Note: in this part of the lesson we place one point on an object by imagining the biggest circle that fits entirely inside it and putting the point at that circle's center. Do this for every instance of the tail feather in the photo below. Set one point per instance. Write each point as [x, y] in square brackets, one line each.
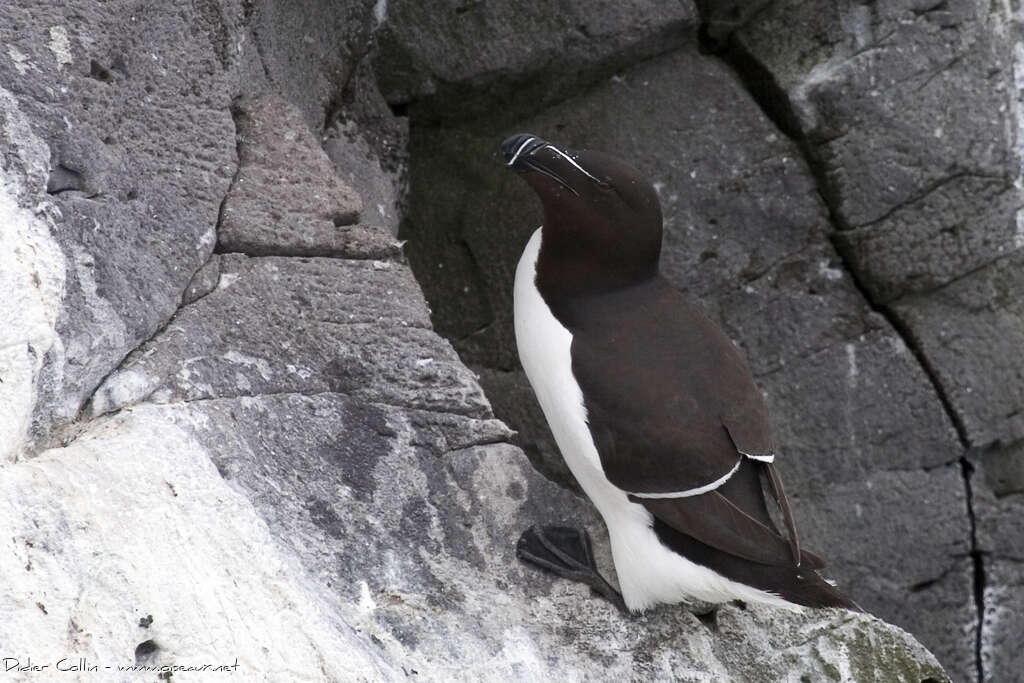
[800, 585]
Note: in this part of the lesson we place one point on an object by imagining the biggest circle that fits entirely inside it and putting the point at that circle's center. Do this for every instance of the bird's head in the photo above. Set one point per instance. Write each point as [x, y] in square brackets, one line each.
[600, 214]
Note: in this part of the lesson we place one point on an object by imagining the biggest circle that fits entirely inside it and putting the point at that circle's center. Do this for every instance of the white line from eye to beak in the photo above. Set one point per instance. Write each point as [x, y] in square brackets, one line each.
[525, 143]
[573, 162]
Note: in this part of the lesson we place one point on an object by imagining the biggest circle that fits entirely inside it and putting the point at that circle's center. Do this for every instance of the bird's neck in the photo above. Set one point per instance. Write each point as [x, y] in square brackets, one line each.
[569, 270]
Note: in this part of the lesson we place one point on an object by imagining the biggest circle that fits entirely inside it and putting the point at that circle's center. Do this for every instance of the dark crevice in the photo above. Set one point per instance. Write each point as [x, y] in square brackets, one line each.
[929, 583]
[65, 434]
[709, 619]
[237, 113]
[99, 72]
[464, 414]
[776, 105]
[360, 49]
[392, 253]
[761, 84]
[145, 650]
[978, 563]
[913, 344]
[923, 585]
[910, 296]
[65, 179]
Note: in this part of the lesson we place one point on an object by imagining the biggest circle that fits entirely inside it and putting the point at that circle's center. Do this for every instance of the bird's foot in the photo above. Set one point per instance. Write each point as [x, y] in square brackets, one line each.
[567, 552]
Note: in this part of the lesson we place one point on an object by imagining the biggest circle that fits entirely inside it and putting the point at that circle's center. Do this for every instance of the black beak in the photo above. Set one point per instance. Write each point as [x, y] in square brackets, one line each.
[519, 147]
[520, 153]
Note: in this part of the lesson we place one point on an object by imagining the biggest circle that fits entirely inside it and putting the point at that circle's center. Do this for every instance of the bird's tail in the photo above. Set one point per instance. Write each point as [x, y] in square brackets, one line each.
[806, 587]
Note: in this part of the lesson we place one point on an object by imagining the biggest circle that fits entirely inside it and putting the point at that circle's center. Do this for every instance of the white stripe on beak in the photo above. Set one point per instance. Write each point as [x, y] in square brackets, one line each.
[520, 149]
[573, 162]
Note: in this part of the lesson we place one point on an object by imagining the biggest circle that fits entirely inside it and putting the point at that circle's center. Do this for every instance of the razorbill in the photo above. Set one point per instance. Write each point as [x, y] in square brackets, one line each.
[652, 406]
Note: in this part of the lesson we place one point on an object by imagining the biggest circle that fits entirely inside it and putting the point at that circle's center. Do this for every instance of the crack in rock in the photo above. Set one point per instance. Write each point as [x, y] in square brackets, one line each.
[778, 108]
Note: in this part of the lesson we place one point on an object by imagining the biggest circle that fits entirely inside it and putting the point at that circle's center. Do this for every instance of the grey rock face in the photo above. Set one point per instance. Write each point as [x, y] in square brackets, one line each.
[882, 322]
[115, 105]
[280, 166]
[999, 510]
[375, 547]
[279, 325]
[310, 50]
[964, 329]
[357, 160]
[280, 465]
[909, 114]
[440, 55]
[864, 438]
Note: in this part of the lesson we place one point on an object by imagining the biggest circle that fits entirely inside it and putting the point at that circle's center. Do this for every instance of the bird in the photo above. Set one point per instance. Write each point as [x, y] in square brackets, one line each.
[653, 408]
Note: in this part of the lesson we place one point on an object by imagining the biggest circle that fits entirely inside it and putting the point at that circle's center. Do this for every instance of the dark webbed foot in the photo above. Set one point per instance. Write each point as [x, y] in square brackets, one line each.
[566, 552]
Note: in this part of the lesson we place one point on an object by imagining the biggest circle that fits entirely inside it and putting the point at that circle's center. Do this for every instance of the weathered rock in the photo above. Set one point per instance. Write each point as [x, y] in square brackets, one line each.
[936, 238]
[310, 50]
[910, 114]
[368, 144]
[967, 329]
[32, 274]
[284, 465]
[747, 235]
[1000, 530]
[357, 161]
[374, 549]
[133, 521]
[442, 56]
[1001, 656]
[1004, 469]
[203, 282]
[121, 135]
[280, 325]
[907, 109]
[284, 199]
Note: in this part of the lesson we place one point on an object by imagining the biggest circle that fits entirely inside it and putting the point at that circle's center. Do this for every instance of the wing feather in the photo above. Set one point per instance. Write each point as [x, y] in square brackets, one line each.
[671, 404]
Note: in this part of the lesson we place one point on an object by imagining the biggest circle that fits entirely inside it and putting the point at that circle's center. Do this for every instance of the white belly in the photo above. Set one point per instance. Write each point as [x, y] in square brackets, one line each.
[648, 572]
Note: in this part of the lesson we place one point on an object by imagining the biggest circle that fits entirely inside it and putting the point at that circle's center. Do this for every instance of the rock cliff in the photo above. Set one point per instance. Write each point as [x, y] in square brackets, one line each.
[234, 430]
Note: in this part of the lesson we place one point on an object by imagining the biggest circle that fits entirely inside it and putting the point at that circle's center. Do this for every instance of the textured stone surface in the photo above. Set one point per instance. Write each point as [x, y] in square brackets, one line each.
[284, 463]
[965, 223]
[966, 329]
[284, 198]
[1000, 516]
[908, 110]
[121, 529]
[1001, 655]
[368, 144]
[375, 548]
[437, 54]
[32, 273]
[277, 325]
[310, 50]
[910, 114]
[747, 235]
[123, 137]
[357, 161]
